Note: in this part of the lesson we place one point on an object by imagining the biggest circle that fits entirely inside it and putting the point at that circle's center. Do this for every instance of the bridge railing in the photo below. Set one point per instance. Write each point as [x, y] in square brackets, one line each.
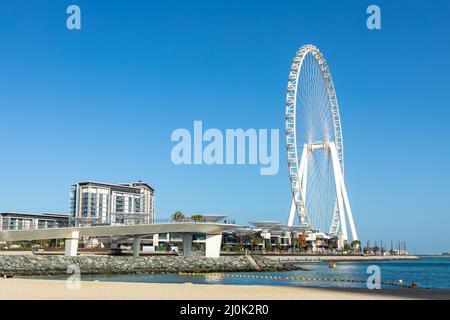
[136, 219]
[190, 220]
[85, 222]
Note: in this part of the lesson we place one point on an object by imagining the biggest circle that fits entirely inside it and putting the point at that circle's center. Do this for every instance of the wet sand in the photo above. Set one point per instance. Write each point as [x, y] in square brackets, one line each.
[14, 289]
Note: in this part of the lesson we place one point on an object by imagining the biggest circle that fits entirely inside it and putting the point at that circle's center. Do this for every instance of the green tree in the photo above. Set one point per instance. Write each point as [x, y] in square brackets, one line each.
[347, 247]
[278, 246]
[330, 246]
[178, 216]
[240, 243]
[197, 217]
[356, 245]
[294, 243]
[255, 240]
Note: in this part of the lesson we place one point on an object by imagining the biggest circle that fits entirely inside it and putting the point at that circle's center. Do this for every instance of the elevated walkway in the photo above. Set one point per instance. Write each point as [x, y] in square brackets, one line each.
[213, 232]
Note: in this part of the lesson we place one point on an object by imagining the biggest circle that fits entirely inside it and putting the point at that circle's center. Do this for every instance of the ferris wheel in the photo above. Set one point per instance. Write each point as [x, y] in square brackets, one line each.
[315, 147]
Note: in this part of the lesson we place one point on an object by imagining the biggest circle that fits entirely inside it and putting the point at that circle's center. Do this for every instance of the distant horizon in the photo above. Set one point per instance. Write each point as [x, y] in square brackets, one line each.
[103, 102]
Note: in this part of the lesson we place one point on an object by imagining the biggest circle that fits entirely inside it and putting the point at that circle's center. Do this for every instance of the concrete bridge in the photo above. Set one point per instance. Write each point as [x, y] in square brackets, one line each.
[212, 231]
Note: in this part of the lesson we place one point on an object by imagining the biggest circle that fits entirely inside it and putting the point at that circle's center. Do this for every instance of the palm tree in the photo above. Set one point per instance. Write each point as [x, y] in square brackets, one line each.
[240, 243]
[256, 240]
[178, 216]
[197, 217]
[252, 241]
[356, 245]
[278, 245]
[294, 243]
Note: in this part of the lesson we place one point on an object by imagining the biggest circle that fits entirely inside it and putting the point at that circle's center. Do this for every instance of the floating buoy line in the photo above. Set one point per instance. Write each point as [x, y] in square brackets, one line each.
[230, 275]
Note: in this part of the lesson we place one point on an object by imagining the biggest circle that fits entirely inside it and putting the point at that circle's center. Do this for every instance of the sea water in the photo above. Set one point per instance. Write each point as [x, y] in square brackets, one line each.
[428, 272]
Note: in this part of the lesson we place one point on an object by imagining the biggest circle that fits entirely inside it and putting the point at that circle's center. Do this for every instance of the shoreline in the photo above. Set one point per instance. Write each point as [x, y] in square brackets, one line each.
[337, 258]
[39, 289]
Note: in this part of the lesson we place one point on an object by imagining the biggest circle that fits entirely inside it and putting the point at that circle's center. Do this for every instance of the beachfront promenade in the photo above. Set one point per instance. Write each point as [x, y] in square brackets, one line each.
[71, 235]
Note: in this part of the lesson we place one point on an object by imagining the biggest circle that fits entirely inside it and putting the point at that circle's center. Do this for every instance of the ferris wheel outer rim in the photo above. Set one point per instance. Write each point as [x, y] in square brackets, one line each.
[290, 117]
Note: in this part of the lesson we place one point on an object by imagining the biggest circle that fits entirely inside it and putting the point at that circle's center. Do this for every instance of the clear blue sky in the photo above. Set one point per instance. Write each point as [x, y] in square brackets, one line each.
[101, 104]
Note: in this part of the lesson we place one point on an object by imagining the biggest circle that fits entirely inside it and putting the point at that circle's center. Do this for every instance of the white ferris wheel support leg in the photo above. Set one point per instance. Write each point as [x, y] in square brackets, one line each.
[337, 173]
[302, 179]
[302, 183]
[292, 213]
[348, 210]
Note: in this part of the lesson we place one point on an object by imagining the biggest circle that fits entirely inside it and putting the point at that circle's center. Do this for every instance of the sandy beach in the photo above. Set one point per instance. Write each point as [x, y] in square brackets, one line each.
[15, 289]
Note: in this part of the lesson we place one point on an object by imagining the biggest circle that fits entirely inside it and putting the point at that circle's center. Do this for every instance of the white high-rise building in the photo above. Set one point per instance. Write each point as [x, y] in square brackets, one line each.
[103, 203]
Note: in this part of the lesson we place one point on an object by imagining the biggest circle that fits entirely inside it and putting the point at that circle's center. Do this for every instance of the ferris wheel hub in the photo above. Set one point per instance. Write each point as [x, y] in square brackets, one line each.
[318, 146]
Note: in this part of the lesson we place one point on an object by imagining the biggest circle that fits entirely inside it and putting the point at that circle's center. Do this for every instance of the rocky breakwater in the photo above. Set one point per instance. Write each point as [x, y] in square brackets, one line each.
[54, 265]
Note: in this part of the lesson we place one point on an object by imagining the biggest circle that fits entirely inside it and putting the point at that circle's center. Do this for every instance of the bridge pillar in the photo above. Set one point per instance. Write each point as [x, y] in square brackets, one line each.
[71, 244]
[187, 244]
[213, 243]
[136, 246]
[156, 240]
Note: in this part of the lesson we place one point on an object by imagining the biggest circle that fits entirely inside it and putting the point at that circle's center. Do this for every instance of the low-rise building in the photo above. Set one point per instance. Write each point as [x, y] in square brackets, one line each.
[275, 236]
[22, 220]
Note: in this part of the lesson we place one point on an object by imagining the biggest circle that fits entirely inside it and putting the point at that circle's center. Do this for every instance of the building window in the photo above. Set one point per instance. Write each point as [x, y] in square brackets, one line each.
[73, 201]
[130, 204]
[137, 205]
[50, 224]
[100, 205]
[84, 204]
[5, 224]
[120, 205]
[14, 223]
[93, 204]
